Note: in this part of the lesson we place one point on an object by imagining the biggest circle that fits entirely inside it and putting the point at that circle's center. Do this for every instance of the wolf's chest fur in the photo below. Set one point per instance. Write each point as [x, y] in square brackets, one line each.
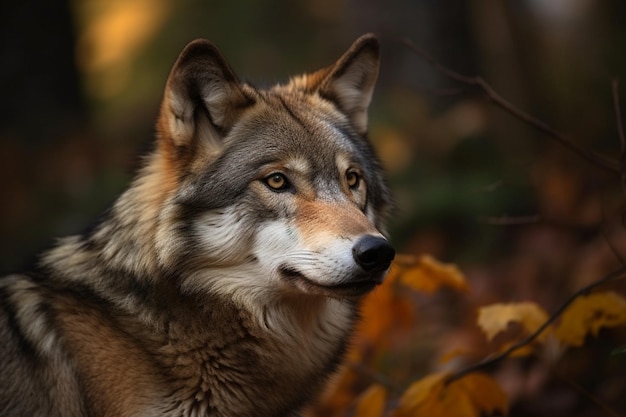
[222, 365]
[226, 280]
[249, 370]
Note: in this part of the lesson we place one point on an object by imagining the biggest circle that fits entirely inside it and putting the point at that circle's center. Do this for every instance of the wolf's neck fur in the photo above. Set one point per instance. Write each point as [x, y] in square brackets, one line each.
[222, 357]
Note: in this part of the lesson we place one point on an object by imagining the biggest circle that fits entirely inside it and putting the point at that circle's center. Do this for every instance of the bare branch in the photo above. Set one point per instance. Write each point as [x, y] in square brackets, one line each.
[595, 159]
[491, 361]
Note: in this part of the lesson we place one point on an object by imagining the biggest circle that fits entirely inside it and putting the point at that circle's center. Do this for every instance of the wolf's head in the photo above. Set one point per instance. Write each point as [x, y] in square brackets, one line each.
[270, 190]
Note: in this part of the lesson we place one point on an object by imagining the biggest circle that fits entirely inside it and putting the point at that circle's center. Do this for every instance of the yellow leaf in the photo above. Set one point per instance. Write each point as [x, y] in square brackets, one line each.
[384, 310]
[588, 314]
[520, 352]
[416, 396]
[495, 318]
[446, 403]
[471, 396]
[426, 274]
[484, 393]
[371, 403]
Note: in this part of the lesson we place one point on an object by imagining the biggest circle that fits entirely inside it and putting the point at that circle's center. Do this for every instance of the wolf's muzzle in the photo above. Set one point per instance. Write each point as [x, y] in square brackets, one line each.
[373, 253]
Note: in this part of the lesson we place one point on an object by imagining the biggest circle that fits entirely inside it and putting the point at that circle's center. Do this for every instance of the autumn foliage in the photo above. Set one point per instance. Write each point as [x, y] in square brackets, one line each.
[538, 330]
[463, 392]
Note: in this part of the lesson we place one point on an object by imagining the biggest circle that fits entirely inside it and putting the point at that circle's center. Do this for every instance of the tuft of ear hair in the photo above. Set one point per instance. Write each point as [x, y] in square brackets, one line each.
[349, 83]
[203, 96]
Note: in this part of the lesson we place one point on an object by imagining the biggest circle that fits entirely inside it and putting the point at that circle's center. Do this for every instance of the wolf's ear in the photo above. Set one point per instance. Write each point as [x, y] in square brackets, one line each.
[203, 97]
[350, 81]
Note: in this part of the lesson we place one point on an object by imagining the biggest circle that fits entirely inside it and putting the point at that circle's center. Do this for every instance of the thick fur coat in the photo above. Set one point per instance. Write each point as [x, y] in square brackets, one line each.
[226, 280]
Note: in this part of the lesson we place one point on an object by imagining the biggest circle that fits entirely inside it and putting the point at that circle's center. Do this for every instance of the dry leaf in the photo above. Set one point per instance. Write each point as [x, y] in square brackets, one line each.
[588, 314]
[427, 275]
[520, 352]
[484, 393]
[371, 403]
[471, 396]
[416, 396]
[495, 318]
[448, 402]
[382, 311]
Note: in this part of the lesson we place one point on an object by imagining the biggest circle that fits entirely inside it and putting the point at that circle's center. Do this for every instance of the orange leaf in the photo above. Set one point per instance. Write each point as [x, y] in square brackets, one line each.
[427, 275]
[495, 318]
[520, 352]
[416, 396]
[371, 403]
[588, 314]
[375, 313]
[471, 396]
[484, 393]
[382, 311]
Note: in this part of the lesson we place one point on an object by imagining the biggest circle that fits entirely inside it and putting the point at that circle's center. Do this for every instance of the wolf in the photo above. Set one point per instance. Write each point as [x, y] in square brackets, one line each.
[226, 280]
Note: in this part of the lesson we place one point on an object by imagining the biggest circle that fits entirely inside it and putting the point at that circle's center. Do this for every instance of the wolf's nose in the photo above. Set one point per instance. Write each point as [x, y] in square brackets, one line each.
[373, 253]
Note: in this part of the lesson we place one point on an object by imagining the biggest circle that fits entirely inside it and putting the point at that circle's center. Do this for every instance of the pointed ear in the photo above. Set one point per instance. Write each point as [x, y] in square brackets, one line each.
[350, 81]
[203, 97]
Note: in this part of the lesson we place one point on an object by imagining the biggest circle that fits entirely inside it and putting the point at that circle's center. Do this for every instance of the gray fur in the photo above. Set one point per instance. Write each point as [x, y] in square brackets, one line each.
[204, 292]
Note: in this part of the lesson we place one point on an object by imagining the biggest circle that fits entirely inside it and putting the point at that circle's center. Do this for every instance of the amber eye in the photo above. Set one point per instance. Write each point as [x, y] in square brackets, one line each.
[353, 179]
[277, 182]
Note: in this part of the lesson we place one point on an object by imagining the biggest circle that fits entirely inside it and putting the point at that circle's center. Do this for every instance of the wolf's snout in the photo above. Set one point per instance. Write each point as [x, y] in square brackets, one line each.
[373, 253]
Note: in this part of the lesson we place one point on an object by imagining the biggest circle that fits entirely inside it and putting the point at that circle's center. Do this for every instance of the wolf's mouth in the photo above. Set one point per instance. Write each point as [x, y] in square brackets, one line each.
[355, 288]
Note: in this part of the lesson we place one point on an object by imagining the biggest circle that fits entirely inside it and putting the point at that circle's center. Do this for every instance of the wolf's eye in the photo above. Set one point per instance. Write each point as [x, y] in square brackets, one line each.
[277, 182]
[353, 179]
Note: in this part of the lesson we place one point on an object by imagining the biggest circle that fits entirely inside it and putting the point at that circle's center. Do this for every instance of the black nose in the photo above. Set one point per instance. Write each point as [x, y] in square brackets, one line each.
[373, 253]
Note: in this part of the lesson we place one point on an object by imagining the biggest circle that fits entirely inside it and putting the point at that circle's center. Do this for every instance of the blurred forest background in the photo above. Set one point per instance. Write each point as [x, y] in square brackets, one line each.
[523, 217]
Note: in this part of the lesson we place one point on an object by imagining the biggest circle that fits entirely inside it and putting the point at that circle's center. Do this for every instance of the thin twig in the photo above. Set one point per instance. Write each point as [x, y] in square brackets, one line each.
[597, 160]
[491, 361]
